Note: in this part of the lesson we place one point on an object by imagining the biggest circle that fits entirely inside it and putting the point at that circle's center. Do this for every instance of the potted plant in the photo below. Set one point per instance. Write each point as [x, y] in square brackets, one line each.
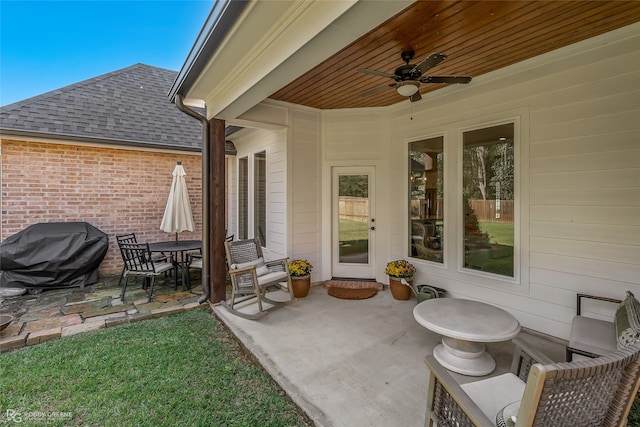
[300, 272]
[397, 271]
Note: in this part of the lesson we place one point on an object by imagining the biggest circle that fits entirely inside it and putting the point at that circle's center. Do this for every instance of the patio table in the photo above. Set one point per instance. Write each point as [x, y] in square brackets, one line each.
[465, 325]
[178, 249]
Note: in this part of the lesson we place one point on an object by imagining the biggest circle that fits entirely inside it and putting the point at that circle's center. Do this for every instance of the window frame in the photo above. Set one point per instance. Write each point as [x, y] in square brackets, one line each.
[250, 159]
[445, 203]
[517, 202]
[243, 190]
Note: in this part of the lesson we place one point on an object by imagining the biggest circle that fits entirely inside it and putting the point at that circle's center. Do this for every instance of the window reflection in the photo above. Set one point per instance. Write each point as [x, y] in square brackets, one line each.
[260, 196]
[426, 208]
[353, 214]
[243, 198]
[488, 199]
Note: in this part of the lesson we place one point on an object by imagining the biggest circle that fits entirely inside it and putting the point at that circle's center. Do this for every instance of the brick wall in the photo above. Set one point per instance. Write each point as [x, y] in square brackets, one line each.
[117, 191]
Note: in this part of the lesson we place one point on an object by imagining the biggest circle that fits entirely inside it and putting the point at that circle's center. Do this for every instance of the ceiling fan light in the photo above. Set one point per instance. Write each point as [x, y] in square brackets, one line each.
[407, 88]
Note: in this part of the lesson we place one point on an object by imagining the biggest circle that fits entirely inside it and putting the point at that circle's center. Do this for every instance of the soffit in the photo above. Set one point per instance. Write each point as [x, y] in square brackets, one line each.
[310, 54]
[477, 36]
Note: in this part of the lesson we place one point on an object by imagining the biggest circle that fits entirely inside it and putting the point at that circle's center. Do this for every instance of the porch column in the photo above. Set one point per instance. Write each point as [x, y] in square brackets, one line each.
[216, 210]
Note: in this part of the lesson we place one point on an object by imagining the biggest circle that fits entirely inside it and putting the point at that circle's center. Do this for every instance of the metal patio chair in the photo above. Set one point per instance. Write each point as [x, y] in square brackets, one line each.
[194, 261]
[138, 263]
[252, 277]
[591, 337]
[131, 238]
[595, 392]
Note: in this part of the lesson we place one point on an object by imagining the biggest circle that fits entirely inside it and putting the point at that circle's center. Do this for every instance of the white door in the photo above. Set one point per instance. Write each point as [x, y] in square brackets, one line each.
[353, 222]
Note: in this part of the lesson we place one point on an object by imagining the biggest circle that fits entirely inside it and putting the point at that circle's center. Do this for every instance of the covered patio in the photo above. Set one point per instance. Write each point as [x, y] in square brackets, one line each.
[305, 83]
[562, 95]
[356, 362]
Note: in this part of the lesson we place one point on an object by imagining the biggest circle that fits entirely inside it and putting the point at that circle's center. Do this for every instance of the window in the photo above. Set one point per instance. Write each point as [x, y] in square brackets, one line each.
[353, 214]
[488, 199]
[260, 196]
[243, 198]
[252, 197]
[426, 207]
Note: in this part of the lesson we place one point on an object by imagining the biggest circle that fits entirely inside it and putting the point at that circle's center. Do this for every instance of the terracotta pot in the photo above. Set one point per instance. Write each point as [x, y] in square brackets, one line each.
[300, 285]
[398, 290]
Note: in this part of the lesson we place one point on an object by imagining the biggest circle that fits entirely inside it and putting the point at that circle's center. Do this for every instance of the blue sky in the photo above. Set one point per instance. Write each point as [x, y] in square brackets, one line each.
[46, 45]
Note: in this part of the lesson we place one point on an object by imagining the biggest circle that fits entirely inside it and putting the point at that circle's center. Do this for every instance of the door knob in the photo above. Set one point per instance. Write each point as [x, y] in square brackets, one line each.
[372, 228]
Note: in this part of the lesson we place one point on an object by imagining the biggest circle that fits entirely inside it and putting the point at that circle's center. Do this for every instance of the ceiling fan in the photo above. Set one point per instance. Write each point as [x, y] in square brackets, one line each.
[408, 77]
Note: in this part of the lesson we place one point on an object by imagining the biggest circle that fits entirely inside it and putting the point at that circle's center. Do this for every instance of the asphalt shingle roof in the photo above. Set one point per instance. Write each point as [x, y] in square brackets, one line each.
[128, 106]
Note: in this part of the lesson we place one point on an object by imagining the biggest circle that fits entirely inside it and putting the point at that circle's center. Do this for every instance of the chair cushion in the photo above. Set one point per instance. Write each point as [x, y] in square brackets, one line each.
[261, 268]
[592, 335]
[493, 394]
[161, 267]
[628, 321]
[271, 278]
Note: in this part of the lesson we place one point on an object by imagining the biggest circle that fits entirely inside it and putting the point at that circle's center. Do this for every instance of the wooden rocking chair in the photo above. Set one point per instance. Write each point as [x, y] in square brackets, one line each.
[252, 277]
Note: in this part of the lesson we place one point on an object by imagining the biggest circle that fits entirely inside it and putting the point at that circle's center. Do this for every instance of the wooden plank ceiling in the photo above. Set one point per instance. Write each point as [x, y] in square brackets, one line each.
[477, 36]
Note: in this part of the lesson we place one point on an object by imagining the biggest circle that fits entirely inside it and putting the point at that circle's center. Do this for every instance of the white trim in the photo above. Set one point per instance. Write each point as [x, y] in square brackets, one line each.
[445, 186]
[517, 225]
[360, 270]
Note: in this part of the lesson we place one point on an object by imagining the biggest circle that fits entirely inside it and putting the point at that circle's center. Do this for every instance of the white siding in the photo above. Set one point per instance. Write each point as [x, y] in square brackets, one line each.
[247, 142]
[578, 109]
[358, 138]
[293, 175]
[577, 112]
[304, 189]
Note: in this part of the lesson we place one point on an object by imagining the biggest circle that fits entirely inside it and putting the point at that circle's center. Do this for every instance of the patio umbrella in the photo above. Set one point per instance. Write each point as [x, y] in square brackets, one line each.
[177, 215]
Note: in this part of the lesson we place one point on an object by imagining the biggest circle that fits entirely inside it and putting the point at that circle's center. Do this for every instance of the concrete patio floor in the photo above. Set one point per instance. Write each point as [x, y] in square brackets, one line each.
[355, 362]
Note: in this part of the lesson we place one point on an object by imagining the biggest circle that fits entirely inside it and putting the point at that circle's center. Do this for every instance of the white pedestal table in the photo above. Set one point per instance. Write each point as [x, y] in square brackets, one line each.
[465, 325]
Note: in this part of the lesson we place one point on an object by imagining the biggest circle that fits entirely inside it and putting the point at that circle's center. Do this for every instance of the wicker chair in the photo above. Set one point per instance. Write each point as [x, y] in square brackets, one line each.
[596, 392]
[138, 263]
[252, 276]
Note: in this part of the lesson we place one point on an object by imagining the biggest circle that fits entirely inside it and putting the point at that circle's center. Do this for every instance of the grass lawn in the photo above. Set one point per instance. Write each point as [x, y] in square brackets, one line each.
[354, 237]
[500, 233]
[353, 230]
[184, 369]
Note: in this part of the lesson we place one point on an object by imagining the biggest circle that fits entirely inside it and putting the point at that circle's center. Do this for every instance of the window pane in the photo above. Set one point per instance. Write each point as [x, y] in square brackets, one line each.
[260, 196]
[353, 214]
[426, 199]
[243, 198]
[488, 199]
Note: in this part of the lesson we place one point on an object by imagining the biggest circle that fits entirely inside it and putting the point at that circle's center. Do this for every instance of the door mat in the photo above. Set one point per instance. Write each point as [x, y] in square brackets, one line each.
[349, 289]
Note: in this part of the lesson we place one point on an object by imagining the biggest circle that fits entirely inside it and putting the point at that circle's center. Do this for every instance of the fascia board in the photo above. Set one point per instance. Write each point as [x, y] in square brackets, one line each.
[264, 37]
[351, 25]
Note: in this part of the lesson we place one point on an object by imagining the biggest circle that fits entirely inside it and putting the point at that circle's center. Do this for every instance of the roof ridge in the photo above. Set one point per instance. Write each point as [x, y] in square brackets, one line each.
[129, 106]
[80, 84]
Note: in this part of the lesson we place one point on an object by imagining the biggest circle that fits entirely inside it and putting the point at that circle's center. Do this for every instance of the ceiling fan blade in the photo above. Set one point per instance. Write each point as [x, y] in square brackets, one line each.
[376, 90]
[415, 97]
[430, 62]
[445, 79]
[377, 73]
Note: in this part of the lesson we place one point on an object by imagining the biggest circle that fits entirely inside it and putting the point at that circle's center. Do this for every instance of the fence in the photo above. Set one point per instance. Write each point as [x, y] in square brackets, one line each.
[357, 209]
[353, 208]
[486, 210]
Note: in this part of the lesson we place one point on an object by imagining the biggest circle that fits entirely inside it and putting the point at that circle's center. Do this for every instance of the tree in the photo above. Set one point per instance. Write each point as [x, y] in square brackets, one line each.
[354, 185]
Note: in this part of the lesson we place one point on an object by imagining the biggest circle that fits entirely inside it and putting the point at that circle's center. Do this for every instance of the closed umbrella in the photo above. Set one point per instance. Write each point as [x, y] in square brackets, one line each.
[177, 215]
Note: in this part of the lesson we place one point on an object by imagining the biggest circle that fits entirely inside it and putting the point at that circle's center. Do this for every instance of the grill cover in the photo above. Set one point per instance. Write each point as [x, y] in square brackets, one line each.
[52, 255]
